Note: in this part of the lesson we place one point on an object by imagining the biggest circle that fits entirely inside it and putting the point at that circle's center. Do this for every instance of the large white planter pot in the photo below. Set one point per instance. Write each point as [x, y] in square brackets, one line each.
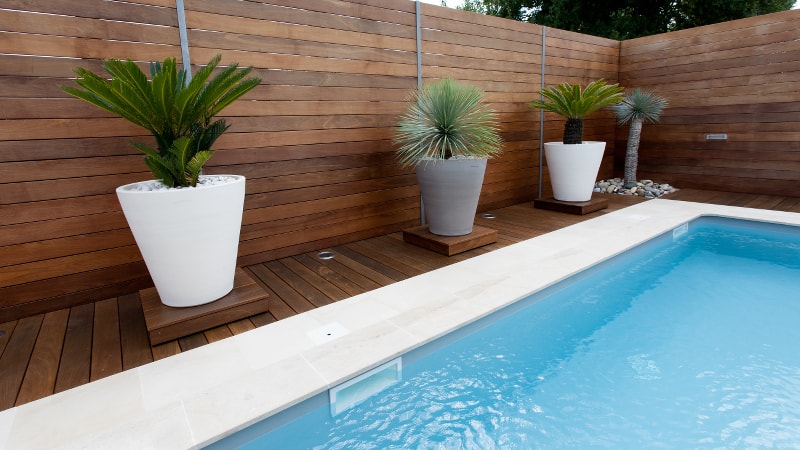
[573, 169]
[189, 237]
[450, 192]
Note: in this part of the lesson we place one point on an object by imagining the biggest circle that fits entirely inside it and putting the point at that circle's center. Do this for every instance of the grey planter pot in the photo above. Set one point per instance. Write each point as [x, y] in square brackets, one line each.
[450, 191]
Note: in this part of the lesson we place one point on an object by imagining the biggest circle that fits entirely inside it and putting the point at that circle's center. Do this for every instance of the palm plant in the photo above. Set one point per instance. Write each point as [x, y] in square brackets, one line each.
[446, 119]
[178, 114]
[575, 103]
[636, 108]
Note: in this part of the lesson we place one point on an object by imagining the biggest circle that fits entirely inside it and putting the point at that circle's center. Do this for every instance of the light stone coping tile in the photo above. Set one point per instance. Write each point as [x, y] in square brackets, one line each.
[187, 373]
[6, 422]
[166, 427]
[274, 343]
[251, 397]
[365, 349]
[211, 391]
[75, 414]
[356, 313]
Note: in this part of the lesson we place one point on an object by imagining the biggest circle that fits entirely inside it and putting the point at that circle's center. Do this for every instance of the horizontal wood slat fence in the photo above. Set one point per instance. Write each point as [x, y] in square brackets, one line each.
[313, 139]
[739, 78]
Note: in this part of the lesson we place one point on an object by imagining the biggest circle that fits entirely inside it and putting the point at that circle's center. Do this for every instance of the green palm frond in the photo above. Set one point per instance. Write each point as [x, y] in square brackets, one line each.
[574, 103]
[641, 105]
[177, 114]
[446, 119]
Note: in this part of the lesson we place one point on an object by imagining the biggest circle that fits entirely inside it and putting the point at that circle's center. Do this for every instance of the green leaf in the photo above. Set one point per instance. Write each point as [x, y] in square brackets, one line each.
[179, 115]
[573, 102]
[446, 119]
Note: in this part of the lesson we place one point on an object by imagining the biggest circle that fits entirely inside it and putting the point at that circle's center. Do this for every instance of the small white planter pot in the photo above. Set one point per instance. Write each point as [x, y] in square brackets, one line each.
[573, 169]
[450, 192]
[189, 237]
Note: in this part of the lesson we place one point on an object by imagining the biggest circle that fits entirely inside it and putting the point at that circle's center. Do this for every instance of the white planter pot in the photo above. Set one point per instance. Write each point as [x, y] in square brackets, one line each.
[189, 237]
[573, 169]
[450, 192]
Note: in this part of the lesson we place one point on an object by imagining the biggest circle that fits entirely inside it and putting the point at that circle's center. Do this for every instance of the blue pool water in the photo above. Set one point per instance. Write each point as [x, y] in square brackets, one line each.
[686, 342]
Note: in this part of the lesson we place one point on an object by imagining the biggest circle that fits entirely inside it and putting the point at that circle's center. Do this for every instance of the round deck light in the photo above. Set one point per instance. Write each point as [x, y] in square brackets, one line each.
[326, 255]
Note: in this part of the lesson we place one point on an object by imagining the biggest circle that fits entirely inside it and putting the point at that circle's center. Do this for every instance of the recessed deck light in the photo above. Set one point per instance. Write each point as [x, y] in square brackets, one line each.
[326, 255]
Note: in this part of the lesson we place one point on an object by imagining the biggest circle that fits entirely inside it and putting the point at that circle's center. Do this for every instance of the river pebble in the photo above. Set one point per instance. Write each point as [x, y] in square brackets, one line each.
[643, 188]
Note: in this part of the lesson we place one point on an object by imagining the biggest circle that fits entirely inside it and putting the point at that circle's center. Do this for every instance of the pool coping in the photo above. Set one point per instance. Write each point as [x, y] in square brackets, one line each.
[200, 396]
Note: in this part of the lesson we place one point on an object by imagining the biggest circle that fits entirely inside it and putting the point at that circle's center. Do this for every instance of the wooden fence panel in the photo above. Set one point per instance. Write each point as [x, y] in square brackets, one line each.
[314, 139]
[63, 239]
[503, 58]
[738, 78]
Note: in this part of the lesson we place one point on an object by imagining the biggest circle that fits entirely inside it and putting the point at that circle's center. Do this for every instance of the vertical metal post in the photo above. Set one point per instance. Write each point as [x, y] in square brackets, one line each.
[184, 37]
[419, 85]
[541, 116]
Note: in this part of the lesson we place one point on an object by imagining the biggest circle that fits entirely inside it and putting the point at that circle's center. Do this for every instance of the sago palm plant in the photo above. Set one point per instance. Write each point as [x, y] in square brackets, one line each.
[446, 119]
[574, 103]
[178, 114]
[637, 108]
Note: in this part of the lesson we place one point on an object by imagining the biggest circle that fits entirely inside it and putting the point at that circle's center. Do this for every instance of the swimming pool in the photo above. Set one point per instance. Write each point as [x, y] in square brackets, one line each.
[688, 341]
[201, 396]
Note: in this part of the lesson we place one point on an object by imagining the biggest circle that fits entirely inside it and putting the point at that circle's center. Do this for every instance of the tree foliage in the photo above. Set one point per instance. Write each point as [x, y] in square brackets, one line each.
[625, 19]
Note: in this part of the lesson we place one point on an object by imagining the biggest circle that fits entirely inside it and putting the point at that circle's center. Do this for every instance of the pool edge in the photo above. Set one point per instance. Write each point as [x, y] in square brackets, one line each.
[200, 396]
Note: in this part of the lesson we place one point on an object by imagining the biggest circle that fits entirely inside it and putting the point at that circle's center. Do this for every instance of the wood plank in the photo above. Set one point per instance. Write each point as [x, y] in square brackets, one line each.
[320, 283]
[298, 284]
[166, 350]
[15, 359]
[381, 272]
[313, 22]
[373, 252]
[133, 333]
[98, 9]
[6, 329]
[263, 319]
[40, 375]
[106, 346]
[217, 334]
[240, 326]
[62, 247]
[296, 302]
[192, 341]
[69, 265]
[24, 22]
[324, 269]
[75, 365]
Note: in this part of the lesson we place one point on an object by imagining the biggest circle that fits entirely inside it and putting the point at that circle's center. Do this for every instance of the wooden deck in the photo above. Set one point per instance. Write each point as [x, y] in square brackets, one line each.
[59, 350]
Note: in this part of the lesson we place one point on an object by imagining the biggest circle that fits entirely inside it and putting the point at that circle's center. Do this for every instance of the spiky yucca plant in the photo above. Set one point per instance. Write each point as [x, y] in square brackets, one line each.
[574, 103]
[446, 119]
[178, 114]
[637, 108]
